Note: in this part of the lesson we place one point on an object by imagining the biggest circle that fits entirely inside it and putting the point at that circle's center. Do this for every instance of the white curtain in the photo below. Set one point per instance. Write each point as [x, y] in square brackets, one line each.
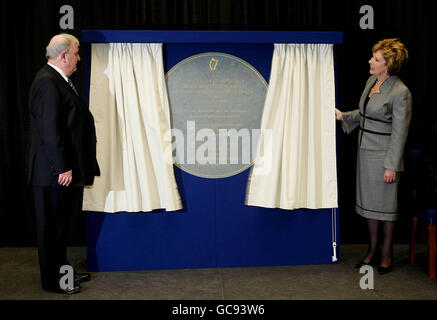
[295, 166]
[129, 102]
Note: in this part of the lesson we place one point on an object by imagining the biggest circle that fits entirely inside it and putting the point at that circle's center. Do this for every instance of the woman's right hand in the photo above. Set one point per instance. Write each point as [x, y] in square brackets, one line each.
[338, 114]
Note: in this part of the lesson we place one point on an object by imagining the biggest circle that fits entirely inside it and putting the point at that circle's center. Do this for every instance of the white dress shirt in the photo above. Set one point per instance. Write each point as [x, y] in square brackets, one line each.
[59, 70]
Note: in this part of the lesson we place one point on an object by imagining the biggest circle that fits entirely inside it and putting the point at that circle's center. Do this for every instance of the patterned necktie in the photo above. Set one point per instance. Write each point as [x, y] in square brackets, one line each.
[72, 86]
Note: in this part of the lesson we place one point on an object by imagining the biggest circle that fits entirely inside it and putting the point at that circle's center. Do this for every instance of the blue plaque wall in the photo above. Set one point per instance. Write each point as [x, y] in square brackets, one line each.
[215, 228]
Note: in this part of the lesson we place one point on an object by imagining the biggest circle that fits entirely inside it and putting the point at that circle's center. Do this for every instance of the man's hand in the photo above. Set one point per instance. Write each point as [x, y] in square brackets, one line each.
[65, 178]
[389, 176]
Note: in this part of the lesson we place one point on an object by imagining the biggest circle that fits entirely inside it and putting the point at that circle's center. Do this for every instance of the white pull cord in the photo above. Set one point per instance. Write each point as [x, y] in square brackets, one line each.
[334, 234]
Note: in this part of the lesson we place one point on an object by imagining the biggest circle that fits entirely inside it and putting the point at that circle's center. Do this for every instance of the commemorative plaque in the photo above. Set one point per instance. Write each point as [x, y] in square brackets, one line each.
[216, 102]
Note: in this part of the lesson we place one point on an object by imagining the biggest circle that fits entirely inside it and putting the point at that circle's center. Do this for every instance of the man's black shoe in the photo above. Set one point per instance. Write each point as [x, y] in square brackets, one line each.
[75, 289]
[82, 277]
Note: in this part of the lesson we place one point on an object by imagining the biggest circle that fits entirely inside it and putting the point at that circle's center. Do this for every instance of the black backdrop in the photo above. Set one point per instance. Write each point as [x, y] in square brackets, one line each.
[26, 28]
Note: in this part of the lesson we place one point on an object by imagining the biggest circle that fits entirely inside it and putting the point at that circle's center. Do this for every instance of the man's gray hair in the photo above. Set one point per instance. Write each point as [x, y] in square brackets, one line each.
[55, 48]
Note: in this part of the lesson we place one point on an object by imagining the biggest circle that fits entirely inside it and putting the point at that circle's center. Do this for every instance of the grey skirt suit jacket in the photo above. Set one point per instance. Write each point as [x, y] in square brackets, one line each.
[383, 121]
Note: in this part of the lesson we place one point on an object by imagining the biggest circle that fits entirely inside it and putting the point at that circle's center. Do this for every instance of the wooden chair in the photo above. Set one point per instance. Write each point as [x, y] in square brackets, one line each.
[423, 216]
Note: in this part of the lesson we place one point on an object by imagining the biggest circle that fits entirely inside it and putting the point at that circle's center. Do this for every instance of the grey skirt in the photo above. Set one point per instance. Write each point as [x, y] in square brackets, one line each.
[375, 199]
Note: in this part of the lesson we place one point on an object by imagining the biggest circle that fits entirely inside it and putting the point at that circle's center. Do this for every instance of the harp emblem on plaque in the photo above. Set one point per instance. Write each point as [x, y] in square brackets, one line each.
[213, 64]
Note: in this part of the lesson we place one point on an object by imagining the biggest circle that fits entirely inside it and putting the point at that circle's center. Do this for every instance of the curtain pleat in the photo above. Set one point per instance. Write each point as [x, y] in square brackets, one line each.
[295, 166]
[129, 102]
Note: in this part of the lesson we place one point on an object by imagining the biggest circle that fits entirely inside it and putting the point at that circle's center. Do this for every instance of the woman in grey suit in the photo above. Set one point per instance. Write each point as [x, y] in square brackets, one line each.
[383, 119]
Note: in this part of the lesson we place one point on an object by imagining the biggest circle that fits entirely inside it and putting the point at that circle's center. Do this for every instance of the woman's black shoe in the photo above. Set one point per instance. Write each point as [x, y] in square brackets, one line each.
[384, 270]
[362, 263]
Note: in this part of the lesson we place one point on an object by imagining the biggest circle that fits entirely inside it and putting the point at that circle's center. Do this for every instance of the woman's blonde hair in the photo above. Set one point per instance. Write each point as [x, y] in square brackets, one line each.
[395, 53]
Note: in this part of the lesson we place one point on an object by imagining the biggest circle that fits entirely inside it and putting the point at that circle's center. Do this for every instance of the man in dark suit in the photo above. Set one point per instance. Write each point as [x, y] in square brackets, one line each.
[62, 156]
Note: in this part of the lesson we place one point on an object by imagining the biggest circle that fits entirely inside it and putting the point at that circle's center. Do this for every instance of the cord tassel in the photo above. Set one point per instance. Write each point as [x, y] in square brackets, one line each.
[334, 235]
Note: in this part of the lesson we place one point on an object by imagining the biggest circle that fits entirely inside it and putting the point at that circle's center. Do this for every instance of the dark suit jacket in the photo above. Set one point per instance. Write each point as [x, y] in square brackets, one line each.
[63, 132]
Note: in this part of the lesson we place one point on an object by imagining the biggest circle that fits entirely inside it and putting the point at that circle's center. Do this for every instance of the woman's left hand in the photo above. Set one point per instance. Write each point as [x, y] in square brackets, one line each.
[389, 176]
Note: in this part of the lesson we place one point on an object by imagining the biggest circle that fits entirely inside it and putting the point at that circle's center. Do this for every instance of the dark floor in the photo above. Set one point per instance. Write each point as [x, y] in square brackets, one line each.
[19, 279]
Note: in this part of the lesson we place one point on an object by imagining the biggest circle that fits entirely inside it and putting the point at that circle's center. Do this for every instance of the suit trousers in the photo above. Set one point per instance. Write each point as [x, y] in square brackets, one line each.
[54, 208]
